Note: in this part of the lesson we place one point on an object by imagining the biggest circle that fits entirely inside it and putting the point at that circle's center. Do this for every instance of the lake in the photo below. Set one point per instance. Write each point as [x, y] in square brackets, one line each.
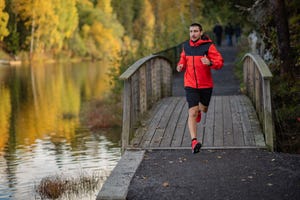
[44, 130]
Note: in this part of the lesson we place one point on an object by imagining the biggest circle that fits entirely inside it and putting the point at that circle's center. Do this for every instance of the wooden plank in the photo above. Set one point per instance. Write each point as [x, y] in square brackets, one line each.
[171, 127]
[218, 122]
[181, 125]
[154, 124]
[135, 108]
[255, 125]
[156, 81]
[135, 67]
[166, 77]
[238, 135]
[263, 68]
[248, 134]
[126, 114]
[227, 118]
[168, 126]
[160, 130]
[140, 133]
[209, 148]
[150, 101]
[143, 90]
[208, 138]
[258, 93]
[268, 120]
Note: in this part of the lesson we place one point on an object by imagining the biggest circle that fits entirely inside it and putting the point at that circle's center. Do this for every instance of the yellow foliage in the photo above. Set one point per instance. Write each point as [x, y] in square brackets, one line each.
[67, 14]
[144, 25]
[3, 21]
[109, 45]
[49, 21]
[129, 45]
[105, 6]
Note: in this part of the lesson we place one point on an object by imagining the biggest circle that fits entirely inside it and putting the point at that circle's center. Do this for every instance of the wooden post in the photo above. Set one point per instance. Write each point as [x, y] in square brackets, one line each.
[143, 90]
[257, 95]
[126, 113]
[268, 121]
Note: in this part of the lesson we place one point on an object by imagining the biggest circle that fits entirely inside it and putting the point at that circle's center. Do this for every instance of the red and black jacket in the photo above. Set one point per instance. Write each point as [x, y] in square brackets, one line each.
[197, 74]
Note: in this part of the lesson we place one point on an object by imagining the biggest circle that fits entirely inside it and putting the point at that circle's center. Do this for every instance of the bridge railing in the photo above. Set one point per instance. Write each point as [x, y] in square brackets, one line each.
[145, 82]
[172, 53]
[257, 78]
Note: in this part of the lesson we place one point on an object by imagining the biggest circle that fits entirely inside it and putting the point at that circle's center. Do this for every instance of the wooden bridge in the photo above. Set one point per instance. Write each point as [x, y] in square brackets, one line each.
[155, 111]
[155, 116]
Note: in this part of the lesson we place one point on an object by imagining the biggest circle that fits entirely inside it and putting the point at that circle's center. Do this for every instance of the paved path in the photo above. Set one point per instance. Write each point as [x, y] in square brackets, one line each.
[247, 174]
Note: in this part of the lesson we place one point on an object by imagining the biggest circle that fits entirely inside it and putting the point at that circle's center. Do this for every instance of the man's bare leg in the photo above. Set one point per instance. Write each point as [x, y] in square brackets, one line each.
[193, 113]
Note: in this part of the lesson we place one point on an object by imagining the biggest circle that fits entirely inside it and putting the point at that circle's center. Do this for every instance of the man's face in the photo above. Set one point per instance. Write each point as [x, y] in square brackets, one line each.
[195, 33]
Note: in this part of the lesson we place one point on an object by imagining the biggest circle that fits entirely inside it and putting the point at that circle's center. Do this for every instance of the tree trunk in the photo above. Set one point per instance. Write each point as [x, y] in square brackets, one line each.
[283, 37]
[192, 10]
[32, 38]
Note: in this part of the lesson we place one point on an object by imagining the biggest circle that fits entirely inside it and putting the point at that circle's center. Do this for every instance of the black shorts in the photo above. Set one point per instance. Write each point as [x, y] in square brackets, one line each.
[195, 96]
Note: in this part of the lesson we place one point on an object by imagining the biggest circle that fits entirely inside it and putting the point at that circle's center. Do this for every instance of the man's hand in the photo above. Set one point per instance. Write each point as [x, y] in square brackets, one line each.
[179, 67]
[206, 61]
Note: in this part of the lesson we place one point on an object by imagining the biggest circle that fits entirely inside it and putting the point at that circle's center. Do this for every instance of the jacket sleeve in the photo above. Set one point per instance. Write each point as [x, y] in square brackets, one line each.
[215, 57]
[182, 60]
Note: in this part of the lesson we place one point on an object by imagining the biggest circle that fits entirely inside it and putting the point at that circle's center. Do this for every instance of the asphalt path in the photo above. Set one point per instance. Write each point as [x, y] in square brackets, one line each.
[245, 174]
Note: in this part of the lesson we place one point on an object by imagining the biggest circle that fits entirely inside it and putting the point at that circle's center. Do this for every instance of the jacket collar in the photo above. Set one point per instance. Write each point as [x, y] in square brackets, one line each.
[202, 40]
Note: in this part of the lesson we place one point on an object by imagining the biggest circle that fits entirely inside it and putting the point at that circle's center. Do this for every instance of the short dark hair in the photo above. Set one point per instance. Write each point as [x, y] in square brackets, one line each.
[197, 24]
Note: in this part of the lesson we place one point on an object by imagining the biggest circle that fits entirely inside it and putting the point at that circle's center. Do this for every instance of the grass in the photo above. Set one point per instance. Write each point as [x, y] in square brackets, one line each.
[101, 114]
[57, 186]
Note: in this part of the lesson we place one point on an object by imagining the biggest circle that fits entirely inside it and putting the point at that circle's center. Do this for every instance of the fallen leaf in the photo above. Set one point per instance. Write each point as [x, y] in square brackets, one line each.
[166, 184]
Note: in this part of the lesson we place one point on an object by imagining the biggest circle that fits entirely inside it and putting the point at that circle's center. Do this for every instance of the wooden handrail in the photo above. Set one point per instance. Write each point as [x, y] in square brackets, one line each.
[145, 82]
[257, 78]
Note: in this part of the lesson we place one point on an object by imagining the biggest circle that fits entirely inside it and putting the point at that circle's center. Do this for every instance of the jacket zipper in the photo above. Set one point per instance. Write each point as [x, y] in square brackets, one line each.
[195, 72]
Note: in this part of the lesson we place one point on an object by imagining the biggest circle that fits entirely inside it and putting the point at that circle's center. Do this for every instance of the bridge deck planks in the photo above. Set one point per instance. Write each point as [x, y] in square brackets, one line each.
[230, 122]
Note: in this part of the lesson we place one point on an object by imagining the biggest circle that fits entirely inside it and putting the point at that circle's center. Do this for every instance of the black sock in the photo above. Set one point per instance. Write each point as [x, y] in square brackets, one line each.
[194, 139]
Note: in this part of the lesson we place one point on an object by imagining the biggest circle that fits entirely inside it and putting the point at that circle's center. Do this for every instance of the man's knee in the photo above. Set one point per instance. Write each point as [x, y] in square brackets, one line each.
[203, 108]
[193, 112]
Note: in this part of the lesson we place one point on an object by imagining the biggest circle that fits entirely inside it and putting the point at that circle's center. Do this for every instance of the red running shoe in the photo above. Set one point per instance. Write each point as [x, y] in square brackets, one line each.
[196, 146]
[198, 119]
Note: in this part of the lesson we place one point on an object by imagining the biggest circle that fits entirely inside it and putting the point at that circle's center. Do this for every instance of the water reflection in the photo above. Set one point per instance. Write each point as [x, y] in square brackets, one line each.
[41, 133]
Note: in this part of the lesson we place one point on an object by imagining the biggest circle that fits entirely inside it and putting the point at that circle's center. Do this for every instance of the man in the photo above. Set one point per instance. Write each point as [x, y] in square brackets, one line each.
[198, 57]
[229, 32]
[218, 31]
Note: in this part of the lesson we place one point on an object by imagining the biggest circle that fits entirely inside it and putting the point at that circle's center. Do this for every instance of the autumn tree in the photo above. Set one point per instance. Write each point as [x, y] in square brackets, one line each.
[143, 24]
[100, 30]
[3, 21]
[66, 12]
